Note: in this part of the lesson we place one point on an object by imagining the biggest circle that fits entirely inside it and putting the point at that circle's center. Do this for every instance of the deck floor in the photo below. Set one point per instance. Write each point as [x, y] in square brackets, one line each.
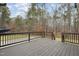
[41, 47]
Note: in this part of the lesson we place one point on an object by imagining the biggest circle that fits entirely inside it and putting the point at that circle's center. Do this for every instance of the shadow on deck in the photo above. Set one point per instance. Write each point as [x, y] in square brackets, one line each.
[41, 47]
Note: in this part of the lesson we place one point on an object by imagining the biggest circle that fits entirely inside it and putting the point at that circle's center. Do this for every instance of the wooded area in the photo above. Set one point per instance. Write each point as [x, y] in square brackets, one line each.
[63, 17]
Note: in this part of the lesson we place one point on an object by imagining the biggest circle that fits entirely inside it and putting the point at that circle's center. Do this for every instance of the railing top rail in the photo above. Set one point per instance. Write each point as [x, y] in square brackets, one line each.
[71, 33]
[9, 33]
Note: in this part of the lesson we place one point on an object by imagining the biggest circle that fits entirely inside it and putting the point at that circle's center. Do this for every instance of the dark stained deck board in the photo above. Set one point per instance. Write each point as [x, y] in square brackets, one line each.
[41, 47]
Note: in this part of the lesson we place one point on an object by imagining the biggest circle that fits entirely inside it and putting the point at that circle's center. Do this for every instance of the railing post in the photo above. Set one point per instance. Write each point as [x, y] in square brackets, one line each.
[43, 34]
[29, 36]
[62, 37]
[52, 36]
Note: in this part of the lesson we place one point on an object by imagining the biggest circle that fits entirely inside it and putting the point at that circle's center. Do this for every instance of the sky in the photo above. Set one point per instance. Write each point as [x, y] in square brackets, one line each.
[20, 9]
[17, 9]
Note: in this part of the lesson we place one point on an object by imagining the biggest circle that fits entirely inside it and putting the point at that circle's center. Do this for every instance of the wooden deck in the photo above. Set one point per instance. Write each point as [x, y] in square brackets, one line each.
[41, 47]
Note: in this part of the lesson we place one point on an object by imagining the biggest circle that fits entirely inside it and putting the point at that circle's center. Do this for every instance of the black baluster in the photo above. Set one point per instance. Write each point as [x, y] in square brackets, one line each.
[62, 37]
[5, 39]
[74, 38]
[70, 38]
[78, 38]
[0, 40]
[29, 37]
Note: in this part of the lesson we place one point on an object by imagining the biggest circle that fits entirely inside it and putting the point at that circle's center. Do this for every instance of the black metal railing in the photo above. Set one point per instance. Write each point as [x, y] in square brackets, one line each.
[13, 38]
[70, 37]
